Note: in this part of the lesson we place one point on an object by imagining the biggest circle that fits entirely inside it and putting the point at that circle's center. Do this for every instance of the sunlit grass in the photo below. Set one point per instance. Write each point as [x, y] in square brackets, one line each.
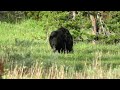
[93, 71]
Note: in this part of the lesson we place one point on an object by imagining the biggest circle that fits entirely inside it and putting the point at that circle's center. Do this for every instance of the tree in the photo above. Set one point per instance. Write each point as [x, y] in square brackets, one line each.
[72, 14]
[94, 21]
[97, 19]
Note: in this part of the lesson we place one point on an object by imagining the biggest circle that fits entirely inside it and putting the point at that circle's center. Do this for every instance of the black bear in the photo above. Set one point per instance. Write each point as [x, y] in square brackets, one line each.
[61, 40]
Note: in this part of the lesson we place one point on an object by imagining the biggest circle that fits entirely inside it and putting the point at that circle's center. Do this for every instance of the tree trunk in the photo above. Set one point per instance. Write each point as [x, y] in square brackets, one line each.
[72, 14]
[104, 28]
[94, 25]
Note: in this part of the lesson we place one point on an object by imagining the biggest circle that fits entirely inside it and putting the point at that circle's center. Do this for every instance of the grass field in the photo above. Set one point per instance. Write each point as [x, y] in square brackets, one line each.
[27, 54]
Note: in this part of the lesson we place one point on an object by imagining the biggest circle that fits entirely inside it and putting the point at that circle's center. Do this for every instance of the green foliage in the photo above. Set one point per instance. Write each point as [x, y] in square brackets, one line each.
[12, 16]
[80, 28]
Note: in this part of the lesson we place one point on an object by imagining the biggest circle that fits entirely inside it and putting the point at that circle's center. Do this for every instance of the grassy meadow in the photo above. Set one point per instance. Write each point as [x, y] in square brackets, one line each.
[27, 54]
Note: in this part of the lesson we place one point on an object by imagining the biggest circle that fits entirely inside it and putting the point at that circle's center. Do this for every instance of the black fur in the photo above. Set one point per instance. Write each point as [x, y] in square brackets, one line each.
[61, 40]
